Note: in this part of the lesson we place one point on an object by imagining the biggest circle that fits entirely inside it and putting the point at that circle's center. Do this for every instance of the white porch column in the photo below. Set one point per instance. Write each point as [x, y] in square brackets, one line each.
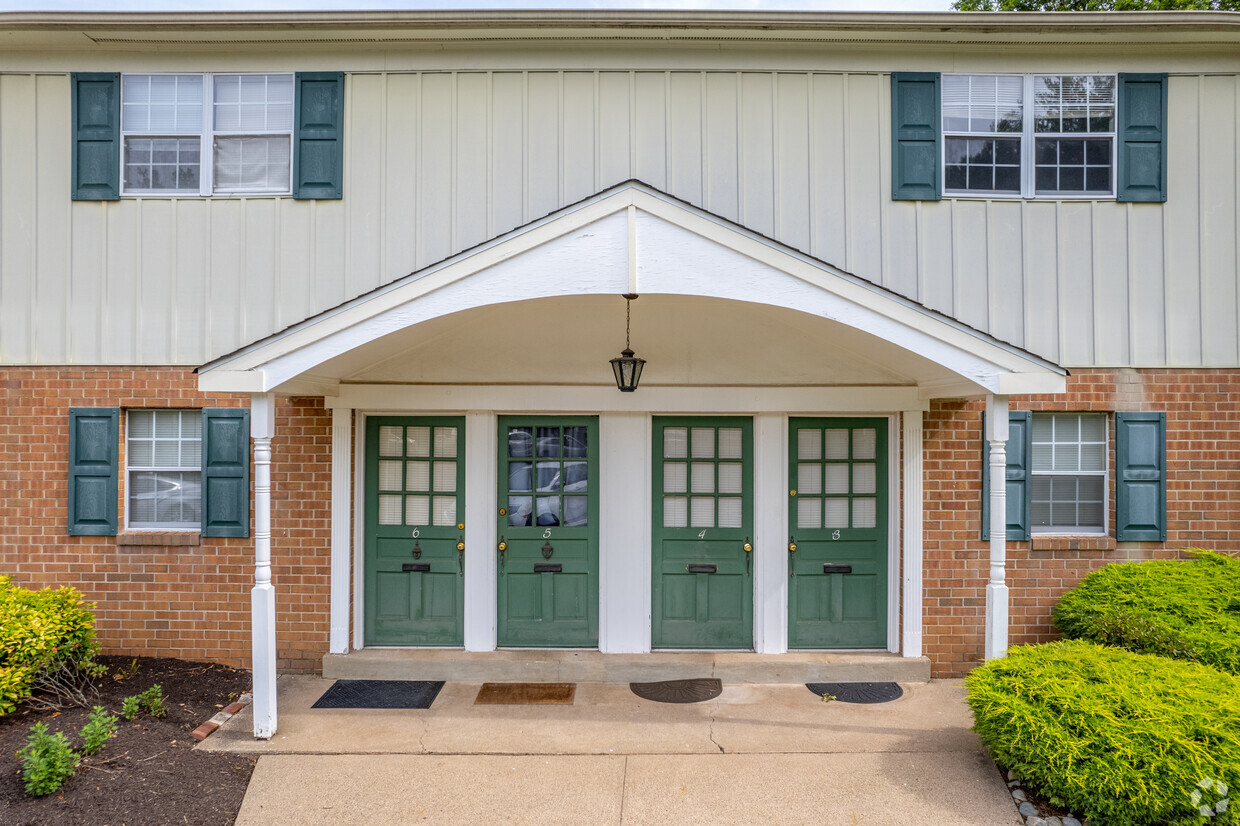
[913, 532]
[996, 589]
[770, 533]
[624, 533]
[263, 595]
[481, 563]
[342, 506]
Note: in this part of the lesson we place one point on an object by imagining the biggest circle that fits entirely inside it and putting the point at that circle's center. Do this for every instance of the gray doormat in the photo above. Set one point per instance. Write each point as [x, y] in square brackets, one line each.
[679, 691]
[858, 692]
[380, 694]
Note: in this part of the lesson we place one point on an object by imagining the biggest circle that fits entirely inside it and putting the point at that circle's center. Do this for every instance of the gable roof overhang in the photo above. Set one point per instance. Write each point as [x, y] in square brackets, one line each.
[632, 238]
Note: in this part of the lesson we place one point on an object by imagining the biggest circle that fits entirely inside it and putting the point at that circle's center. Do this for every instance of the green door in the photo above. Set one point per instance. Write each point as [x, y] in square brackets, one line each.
[548, 527]
[837, 594]
[414, 532]
[703, 533]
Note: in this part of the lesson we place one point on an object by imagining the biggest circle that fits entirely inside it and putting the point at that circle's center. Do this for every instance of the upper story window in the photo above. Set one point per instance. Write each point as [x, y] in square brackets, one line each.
[204, 134]
[1029, 135]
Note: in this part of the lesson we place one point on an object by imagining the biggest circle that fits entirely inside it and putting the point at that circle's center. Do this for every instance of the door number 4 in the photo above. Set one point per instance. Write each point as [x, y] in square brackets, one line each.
[702, 535]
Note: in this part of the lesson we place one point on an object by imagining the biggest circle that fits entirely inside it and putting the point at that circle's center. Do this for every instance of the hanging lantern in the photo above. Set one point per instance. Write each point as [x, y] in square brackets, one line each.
[626, 366]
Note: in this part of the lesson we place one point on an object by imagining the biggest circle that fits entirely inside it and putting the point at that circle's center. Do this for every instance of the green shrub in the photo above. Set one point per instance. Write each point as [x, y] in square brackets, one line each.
[47, 761]
[47, 645]
[1121, 738]
[152, 700]
[99, 730]
[1187, 610]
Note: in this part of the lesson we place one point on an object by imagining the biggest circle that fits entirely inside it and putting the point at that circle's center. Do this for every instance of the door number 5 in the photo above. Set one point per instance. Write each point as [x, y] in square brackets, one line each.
[547, 533]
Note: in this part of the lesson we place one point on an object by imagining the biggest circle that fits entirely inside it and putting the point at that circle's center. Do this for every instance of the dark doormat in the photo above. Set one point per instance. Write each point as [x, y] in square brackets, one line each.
[679, 691]
[380, 694]
[858, 692]
[526, 694]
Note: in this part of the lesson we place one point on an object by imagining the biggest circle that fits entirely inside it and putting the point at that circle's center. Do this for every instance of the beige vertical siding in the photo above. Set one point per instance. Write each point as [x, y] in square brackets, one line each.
[437, 162]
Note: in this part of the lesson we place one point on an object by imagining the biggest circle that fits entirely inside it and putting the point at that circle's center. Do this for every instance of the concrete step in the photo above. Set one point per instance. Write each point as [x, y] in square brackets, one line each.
[582, 666]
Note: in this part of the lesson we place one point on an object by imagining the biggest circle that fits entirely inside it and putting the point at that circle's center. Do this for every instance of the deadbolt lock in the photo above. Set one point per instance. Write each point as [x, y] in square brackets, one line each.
[503, 511]
[792, 492]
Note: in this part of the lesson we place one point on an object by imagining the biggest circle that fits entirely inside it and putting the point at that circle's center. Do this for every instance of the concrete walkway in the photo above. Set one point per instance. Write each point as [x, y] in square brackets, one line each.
[756, 754]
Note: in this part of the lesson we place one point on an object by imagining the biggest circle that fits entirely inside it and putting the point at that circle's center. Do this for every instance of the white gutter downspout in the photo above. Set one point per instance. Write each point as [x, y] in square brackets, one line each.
[996, 588]
[263, 595]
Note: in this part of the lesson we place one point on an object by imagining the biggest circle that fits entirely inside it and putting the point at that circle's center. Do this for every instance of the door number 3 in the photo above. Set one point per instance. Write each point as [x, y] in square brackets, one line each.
[835, 534]
[547, 533]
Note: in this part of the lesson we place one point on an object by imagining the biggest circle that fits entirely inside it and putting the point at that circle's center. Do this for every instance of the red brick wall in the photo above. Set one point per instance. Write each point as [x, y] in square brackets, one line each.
[192, 600]
[165, 594]
[1203, 503]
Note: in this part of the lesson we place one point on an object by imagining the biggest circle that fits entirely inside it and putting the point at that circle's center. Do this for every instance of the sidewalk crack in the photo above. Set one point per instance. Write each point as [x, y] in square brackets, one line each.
[712, 734]
[624, 786]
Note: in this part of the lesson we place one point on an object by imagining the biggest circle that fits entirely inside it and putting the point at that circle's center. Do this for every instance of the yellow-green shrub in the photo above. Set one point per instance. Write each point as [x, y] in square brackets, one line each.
[1121, 738]
[1187, 610]
[47, 641]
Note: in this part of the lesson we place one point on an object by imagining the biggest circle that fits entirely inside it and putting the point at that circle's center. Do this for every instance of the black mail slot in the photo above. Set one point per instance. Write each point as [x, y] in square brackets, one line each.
[703, 569]
[828, 568]
[548, 569]
[416, 567]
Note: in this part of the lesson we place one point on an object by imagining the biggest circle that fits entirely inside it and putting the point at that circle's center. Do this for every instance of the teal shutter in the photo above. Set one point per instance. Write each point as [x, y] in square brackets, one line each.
[1141, 168]
[96, 104]
[915, 136]
[318, 145]
[225, 472]
[1019, 493]
[1141, 475]
[94, 438]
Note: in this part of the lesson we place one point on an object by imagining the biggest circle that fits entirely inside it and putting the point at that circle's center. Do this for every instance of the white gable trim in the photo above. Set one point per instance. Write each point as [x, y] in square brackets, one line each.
[633, 238]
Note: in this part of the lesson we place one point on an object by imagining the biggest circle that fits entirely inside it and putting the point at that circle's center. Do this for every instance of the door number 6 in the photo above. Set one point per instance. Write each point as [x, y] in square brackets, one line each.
[416, 533]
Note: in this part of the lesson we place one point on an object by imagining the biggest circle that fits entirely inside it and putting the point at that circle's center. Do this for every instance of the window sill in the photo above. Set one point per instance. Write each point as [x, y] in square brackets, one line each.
[1072, 543]
[161, 539]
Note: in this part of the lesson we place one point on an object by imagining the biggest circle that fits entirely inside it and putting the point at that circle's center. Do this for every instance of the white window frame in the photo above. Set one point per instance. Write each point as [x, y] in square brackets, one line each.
[129, 468]
[1028, 162]
[1105, 473]
[206, 146]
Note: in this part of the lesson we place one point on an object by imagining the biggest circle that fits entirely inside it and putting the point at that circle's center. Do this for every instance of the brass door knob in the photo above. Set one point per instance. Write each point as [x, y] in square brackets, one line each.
[503, 546]
[460, 546]
[748, 548]
[792, 547]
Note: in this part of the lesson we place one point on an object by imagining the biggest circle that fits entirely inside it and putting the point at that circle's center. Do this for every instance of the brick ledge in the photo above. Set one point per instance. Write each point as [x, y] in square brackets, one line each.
[1072, 543]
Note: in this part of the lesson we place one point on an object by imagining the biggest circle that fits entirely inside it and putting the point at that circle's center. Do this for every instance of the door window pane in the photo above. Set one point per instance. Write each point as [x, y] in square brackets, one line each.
[675, 443]
[548, 441]
[703, 443]
[837, 479]
[675, 512]
[548, 511]
[809, 444]
[864, 512]
[730, 512]
[445, 442]
[702, 512]
[418, 476]
[445, 477]
[418, 442]
[837, 513]
[675, 477]
[576, 442]
[389, 475]
[703, 477]
[520, 476]
[521, 442]
[809, 479]
[390, 441]
[389, 510]
[520, 511]
[576, 477]
[809, 513]
[445, 510]
[548, 476]
[576, 511]
[730, 442]
[417, 510]
[730, 478]
[837, 444]
[863, 478]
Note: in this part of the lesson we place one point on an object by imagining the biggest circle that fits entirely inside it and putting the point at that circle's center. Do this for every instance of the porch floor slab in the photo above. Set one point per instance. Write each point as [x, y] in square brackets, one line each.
[757, 753]
[581, 666]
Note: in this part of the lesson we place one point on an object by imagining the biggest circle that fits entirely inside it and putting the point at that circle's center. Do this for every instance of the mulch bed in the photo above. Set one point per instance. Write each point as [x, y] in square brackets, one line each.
[148, 773]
